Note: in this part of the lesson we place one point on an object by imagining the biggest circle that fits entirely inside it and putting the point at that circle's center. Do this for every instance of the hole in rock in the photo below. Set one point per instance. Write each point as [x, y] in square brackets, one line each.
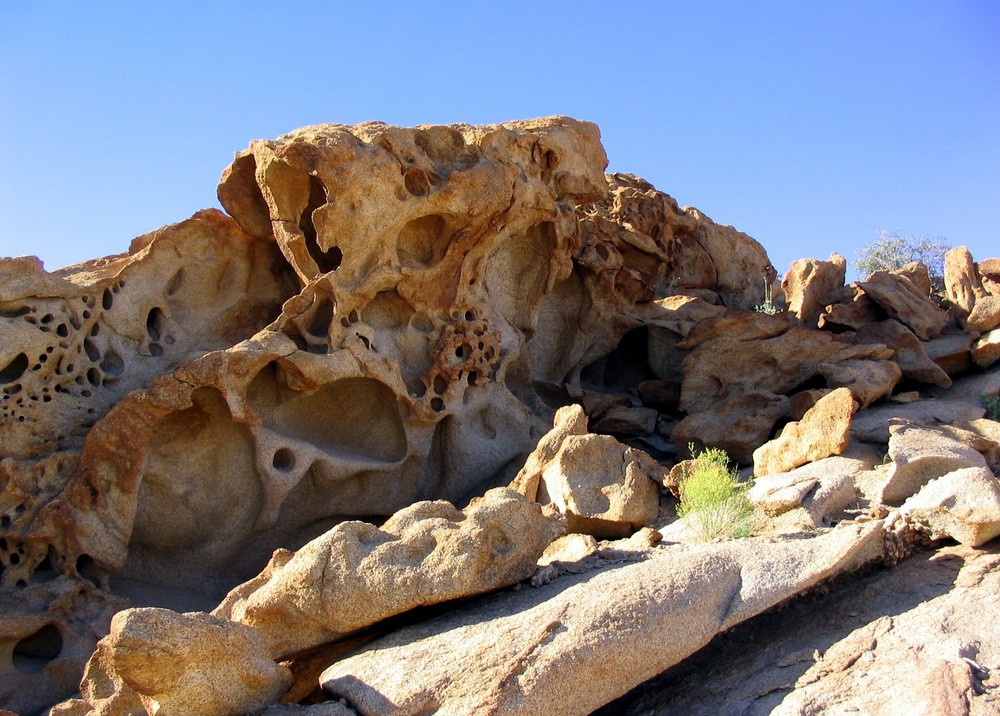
[155, 350]
[422, 242]
[319, 324]
[440, 384]
[32, 653]
[14, 312]
[517, 272]
[437, 404]
[48, 318]
[326, 261]
[107, 299]
[352, 416]
[154, 323]
[92, 351]
[284, 460]
[387, 310]
[14, 369]
[624, 367]
[417, 182]
[112, 364]
[174, 285]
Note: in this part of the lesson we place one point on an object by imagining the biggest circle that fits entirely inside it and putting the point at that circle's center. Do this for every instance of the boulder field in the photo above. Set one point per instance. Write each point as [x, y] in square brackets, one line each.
[404, 430]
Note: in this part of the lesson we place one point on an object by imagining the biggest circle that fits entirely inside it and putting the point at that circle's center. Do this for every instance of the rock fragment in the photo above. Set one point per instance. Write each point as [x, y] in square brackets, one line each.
[963, 504]
[904, 302]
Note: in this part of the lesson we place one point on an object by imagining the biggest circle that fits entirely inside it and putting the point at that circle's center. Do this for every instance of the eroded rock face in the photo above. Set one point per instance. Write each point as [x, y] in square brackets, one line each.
[906, 303]
[810, 285]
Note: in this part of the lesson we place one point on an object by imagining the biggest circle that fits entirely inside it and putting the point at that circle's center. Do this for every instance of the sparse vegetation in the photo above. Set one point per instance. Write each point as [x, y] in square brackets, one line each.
[891, 251]
[992, 405]
[768, 307]
[713, 500]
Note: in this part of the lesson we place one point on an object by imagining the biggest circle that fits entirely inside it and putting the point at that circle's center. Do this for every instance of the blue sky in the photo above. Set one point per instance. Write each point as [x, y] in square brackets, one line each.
[808, 125]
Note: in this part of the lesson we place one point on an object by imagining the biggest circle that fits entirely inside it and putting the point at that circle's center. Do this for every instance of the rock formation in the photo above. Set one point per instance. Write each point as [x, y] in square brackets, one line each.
[404, 364]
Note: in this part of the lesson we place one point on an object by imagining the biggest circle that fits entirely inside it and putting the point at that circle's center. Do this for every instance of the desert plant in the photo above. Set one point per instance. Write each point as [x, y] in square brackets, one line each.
[712, 499]
[992, 405]
[768, 307]
[891, 251]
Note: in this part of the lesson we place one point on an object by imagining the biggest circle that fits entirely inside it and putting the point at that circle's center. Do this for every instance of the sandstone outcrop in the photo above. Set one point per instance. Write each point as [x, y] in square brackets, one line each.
[385, 328]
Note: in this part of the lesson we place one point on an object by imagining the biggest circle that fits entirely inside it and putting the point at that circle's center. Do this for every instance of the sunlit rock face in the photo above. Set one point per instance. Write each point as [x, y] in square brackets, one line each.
[387, 315]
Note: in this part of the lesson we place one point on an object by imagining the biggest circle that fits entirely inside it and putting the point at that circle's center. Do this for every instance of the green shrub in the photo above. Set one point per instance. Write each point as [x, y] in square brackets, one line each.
[713, 501]
[992, 405]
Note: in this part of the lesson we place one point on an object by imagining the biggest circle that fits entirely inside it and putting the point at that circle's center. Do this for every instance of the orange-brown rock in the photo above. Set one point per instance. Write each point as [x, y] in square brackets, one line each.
[905, 302]
[868, 380]
[738, 356]
[825, 430]
[989, 275]
[810, 285]
[961, 281]
[985, 315]
[908, 351]
[986, 349]
[853, 310]
[738, 425]
[916, 273]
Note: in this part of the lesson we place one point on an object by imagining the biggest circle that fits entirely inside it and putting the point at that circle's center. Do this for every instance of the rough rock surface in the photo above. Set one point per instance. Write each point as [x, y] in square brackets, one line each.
[603, 487]
[963, 505]
[986, 349]
[985, 314]
[910, 639]
[538, 647]
[961, 281]
[909, 352]
[823, 431]
[823, 488]
[738, 425]
[358, 574]
[179, 664]
[868, 380]
[920, 454]
[810, 285]
[905, 302]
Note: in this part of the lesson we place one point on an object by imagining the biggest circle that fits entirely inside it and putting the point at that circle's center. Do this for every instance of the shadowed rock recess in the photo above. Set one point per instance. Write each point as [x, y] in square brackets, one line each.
[403, 433]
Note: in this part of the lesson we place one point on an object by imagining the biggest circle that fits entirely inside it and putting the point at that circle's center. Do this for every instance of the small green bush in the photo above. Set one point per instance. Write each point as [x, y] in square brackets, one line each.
[891, 251]
[713, 501]
[992, 405]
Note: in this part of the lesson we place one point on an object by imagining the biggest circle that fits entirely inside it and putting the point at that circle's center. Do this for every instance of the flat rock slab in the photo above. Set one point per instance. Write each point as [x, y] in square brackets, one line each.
[907, 640]
[549, 650]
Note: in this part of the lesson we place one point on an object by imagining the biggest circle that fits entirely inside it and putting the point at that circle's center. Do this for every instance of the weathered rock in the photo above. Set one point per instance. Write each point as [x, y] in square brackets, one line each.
[951, 351]
[737, 361]
[810, 285]
[961, 281]
[985, 314]
[853, 310]
[805, 399]
[986, 350]
[659, 394]
[872, 425]
[823, 488]
[909, 352]
[569, 420]
[919, 455]
[911, 638]
[48, 630]
[916, 273]
[738, 425]
[963, 505]
[595, 403]
[868, 380]
[537, 647]
[180, 664]
[626, 421]
[989, 274]
[358, 574]
[904, 302]
[823, 431]
[603, 487]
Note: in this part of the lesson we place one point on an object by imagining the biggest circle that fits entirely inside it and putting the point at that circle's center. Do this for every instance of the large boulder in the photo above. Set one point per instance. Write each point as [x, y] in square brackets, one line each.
[823, 431]
[868, 380]
[358, 574]
[986, 349]
[738, 425]
[548, 650]
[604, 488]
[908, 351]
[746, 351]
[920, 454]
[963, 505]
[906, 303]
[157, 661]
[810, 285]
[961, 281]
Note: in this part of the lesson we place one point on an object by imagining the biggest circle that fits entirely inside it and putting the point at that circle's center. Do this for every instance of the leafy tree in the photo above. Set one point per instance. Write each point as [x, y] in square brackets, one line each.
[891, 251]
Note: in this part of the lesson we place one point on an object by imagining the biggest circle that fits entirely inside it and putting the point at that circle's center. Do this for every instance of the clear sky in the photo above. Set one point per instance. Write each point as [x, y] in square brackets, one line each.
[808, 125]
